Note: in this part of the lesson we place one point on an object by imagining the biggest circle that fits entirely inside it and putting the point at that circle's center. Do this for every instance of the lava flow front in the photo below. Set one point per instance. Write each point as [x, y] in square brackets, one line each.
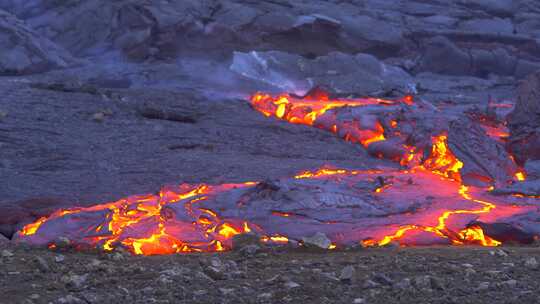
[437, 191]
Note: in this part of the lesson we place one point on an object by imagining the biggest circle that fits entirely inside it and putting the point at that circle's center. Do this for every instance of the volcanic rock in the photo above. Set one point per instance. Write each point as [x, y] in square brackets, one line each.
[70, 299]
[4, 241]
[341, 73]
[59, 258]
[42, 264]
[404, 284]
[484, 159]
[347, 274]
[526, 188]
[505, 232]
[443, 56]
[19, 213]
[493, 25]
[532, 167]
[368, 284]
[495, 7]
[23, 51]
[6, 253]
[74, 282]
[532, 263]
[524, 121]
[142, 30]
[483, 286]
[318, 240]
[214, 272]
[382, 278]
[509, 283]
[291, 285]
[242, 240]
[249, 250]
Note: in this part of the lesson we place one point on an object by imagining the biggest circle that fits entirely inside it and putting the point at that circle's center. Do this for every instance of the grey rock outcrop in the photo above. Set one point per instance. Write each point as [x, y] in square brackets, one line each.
[524, 121]
[23, 51]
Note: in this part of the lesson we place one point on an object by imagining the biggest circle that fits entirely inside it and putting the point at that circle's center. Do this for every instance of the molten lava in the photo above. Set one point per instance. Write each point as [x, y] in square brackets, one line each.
[195, 218]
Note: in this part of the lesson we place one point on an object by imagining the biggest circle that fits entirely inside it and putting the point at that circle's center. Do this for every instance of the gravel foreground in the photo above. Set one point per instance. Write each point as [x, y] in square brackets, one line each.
[266, 275]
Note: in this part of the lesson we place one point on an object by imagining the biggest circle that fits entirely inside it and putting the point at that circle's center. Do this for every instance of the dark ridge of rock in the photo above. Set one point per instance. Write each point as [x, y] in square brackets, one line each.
[23, 51]
[443, 56]
[484, 159]
[175, 115]
[505, 232]
[142, 29]
[532, 167]
[17, 214]
[527, 188]
[524, 121]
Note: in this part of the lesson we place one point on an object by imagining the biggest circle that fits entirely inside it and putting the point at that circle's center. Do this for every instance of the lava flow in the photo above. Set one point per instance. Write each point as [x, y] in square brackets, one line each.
[435, 197]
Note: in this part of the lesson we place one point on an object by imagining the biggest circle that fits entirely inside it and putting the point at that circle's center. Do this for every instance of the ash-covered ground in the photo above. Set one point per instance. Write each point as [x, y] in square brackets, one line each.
[103, 99]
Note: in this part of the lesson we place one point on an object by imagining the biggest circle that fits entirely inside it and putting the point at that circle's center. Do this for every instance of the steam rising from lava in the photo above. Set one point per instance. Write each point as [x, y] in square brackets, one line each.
[427, 201]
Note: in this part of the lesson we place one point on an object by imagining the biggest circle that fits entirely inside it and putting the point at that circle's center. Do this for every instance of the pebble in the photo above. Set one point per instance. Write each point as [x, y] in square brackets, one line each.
[98, 117]
[291, 285]
[6, 253]
[42, 264]
[75, 282]
[59, 258]
[266, 295]
[226, 291]
[404, 284]
[531, 263]
[510, 283]
[469, 272]
[274, 279]
[216, 262]
[69, 299]
[359, 301]
[164, 279]
[202, 276]
[494, 273]
[200, 292]
[483, 286]
[370, 284]
[508, 264]
[347, 274]
[499, 252]
[382, 279]
[423, 282]
[214, 273]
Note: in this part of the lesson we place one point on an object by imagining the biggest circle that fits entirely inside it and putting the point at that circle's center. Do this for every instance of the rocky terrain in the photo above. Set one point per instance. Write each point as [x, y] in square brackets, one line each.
[102, 99]
[421, 275]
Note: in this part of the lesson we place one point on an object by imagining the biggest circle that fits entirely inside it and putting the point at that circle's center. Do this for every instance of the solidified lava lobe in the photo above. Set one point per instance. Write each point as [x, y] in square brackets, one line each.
[426, 202]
